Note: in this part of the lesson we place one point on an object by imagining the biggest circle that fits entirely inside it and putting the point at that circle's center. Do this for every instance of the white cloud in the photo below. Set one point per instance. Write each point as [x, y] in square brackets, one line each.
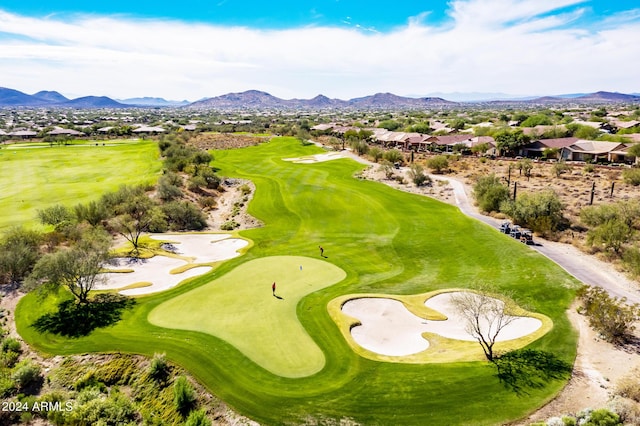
[511, 46]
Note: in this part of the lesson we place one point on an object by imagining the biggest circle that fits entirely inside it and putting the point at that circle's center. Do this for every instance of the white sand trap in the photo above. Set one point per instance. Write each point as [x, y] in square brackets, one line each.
[200, 248]
[204, 248]
[318, 158]
[388, 328]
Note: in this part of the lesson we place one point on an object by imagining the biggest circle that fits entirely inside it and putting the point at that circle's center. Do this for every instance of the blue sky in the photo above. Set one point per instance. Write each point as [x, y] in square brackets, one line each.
[341, 48]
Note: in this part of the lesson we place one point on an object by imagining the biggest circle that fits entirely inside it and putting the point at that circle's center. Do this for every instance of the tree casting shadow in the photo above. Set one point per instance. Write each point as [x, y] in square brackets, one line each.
[529, 368]
[77, 320]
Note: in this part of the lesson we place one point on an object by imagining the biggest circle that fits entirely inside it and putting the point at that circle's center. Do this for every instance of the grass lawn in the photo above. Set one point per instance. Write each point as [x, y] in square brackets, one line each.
[386, 242]
[34, 176]
[240, 303]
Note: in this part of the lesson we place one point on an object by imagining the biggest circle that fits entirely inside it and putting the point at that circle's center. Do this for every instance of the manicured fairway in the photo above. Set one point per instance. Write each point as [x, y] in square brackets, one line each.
[387, 242]
[240, 309]
[36, 176]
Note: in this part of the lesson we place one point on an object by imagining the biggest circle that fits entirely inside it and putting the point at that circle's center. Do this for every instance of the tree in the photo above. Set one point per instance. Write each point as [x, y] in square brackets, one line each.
[610, 316]
[77, 268]
[56, 215]
[438, 164]
[490, 193]
[612, 225]
[542, 212]
[634, 150]
[485, 317]
[19, 252]
[416, 173]
[480, 148]
[508, 142]
[138, 215]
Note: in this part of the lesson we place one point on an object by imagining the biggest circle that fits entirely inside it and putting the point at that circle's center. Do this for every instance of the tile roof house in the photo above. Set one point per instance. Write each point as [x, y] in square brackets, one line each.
[535, 148]
[584, 150]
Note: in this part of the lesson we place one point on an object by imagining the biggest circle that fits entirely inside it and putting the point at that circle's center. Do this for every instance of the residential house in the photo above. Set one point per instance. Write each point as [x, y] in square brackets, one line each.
[536, 148]
[595, 151]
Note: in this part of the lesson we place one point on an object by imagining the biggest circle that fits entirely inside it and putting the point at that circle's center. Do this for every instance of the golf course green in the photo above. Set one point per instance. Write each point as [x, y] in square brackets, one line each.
[237, 339]
[34, 176]
[242, 302]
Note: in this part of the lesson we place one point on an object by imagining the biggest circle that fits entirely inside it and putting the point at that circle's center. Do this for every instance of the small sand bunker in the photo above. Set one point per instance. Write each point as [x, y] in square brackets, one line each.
[318, 158]
[156, 272]
[388, 328]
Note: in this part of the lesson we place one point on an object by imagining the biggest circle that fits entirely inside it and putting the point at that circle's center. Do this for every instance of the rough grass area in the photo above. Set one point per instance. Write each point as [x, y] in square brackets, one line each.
[36, 176]
[387, 242]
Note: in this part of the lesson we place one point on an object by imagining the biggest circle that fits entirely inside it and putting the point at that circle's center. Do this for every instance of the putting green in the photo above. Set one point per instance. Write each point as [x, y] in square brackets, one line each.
[239, 308]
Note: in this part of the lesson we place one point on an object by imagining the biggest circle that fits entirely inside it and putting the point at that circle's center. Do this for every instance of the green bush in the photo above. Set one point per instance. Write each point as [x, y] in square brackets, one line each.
[393, 156]
[613, 318]
[438, 164]
[631, 260]
[158, 368]
[197, 418]
[416, 173]
[229, 225]
[631, 176]
[184, 397]
[25, 374]
[541, 212]
[603, 417]
[184, 216]
[11, 344]
[490, 193]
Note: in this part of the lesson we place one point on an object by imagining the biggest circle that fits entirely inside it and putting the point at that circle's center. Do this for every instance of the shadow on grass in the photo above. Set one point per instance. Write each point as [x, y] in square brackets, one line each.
[77, 320]
[530, 369]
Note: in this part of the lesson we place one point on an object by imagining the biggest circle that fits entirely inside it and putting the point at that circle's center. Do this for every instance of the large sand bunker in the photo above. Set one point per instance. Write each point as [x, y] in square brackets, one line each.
[388, 328]
[158, 273]
[318, 158]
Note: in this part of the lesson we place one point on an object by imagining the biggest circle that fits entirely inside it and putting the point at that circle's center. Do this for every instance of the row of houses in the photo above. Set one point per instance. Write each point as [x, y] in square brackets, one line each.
[570, 148]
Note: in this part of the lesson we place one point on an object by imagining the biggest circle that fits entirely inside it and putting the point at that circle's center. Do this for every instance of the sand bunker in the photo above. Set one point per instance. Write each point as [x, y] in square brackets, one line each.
[157, 271]
[388, 328]
[318, 158]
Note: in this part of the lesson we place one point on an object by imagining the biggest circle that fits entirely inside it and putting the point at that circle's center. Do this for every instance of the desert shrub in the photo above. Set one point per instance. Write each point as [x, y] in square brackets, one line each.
[416, 173]
[245, 189]
[11, 344]
[541, 212]
[158, 367]
[212, 181]
[627, 409]
[229, 225]
[490, 193]
[168, 192]
[93, 212]
[56, 215]
[603, 417]
[118, 371]
[613, 318]
[197, 418]
[360, 147]
[114, 410]
[7, 387]
[196, 183]
[560, 168]
[631, 260]
[184, 216]
[393, 156]
[376, 153]
[207, 202]
[629, 385]
[25, 374]
[631, 176]
[184, 397]
[386, 167]
[589, 168]
[438, 164]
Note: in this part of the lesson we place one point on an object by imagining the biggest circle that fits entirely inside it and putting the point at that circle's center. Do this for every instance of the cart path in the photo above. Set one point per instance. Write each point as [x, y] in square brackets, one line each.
[586, 268]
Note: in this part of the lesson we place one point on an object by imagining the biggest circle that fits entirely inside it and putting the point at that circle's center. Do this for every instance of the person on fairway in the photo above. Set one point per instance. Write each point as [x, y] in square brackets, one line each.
[273, 288]
[321, 250]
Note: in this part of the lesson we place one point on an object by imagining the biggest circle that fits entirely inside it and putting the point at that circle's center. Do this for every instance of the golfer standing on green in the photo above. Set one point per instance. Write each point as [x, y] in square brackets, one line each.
[273, 288]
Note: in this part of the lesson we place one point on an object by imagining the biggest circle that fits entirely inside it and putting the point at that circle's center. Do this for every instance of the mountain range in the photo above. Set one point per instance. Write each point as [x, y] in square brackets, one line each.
[255, 99]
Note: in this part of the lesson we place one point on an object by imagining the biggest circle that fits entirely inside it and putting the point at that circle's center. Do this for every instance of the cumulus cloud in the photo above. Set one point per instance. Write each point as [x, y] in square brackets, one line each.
[510, 46]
